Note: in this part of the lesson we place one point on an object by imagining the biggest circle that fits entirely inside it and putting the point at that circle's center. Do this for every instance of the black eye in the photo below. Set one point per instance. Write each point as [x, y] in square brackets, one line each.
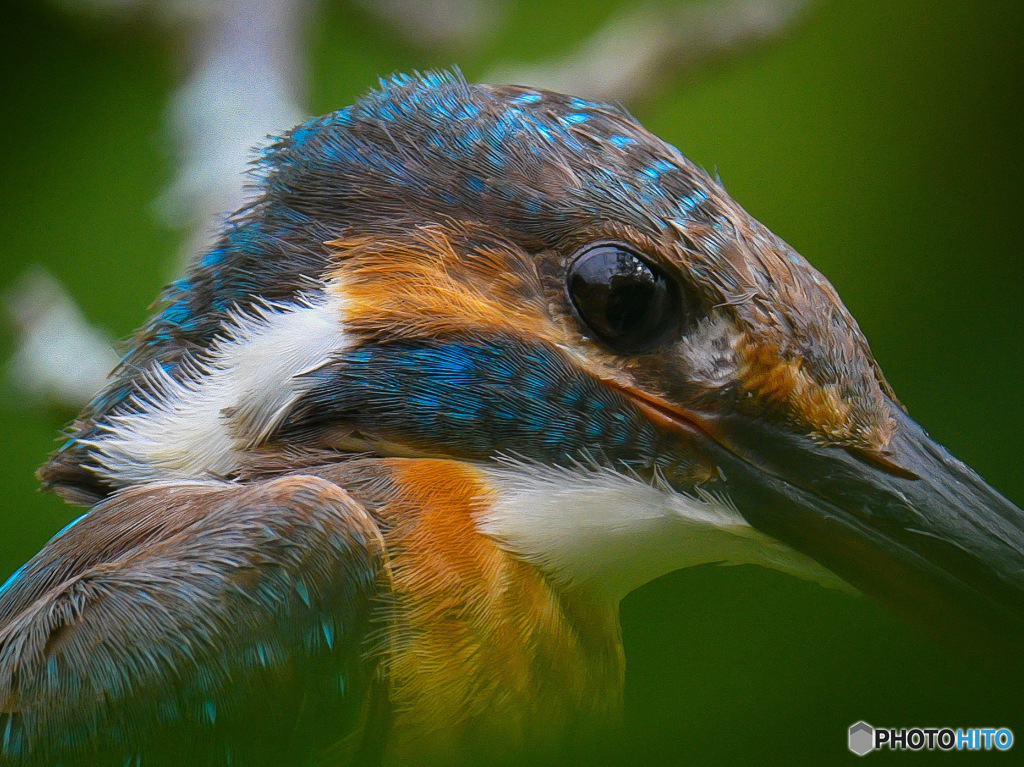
[626, 302]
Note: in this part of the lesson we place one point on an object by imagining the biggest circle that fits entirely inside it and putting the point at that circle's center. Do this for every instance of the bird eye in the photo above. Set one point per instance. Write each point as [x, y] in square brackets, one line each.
[627, 303]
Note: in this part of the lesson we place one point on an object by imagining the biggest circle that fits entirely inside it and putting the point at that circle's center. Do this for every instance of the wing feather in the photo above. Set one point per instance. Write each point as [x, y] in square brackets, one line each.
[199, 622]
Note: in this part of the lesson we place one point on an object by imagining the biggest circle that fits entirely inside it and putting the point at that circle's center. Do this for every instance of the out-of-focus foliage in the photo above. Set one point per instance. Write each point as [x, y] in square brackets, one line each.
[882, 139]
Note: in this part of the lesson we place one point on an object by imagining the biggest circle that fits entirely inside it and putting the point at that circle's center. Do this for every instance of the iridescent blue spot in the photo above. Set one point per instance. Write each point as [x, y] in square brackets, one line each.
[363, 355]
[571, 142]
[619, 435]
[210, 709]
[7, 734]
[544, 131]
[15, 742]
[179, 286]
[475, 184]
[622, 141]
[502, 368]
[794, 259]
[693, 200]
[212, 258]
[435, 79]
[303, 592]
[328, 629]
[261, 654]
[425, 399]
[512, 115]
[572, 397]
[178, 314]
[303, 134]
[534, 383]
[333, 151]
[527, 98]
[247, 235]
[578, 103]
[659, 167]
[343, 116]
[577, 117]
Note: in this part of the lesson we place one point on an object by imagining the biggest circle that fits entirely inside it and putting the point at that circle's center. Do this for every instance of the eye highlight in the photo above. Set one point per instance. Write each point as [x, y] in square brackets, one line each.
[627, 303]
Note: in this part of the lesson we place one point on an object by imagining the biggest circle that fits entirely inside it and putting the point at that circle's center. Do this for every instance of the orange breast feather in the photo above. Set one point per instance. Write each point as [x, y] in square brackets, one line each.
[481, 651]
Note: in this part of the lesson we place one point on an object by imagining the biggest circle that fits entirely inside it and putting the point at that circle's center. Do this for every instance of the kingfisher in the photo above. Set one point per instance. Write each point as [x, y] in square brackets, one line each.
[370, 484]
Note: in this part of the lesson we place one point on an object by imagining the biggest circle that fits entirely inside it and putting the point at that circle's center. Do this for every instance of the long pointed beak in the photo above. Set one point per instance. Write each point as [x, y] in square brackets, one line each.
[919, 530]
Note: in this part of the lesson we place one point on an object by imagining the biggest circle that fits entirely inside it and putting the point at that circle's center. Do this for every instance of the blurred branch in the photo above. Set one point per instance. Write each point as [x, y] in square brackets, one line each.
[446, 24]
[59, 357]
[247, 81]
[626, 58]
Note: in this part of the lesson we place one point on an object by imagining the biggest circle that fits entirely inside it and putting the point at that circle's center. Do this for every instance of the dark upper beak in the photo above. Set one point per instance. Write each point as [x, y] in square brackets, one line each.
[919, 530]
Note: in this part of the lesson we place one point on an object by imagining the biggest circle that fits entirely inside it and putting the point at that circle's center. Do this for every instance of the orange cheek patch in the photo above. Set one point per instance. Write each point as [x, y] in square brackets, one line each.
[437, 282]
[784, 383]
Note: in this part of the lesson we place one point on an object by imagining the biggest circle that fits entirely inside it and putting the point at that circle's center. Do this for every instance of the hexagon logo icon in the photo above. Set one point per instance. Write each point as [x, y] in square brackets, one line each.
[862, 738]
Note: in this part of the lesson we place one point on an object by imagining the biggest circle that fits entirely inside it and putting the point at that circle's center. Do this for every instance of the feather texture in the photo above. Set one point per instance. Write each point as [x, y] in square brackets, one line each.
[192, 621]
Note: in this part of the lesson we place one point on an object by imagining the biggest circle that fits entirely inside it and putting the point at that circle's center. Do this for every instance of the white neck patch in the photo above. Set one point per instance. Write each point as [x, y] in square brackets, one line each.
[612, 533]
[197, 426]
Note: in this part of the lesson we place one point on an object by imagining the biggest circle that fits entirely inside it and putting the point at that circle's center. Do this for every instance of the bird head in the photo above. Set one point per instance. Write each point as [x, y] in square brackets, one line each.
[534, 284]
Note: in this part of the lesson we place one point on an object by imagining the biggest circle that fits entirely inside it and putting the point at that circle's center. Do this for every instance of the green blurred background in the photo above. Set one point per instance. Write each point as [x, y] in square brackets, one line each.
[882, 139]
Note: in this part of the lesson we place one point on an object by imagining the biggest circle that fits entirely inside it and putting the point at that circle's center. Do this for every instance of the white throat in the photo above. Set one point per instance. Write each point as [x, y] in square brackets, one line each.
[611, 533]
